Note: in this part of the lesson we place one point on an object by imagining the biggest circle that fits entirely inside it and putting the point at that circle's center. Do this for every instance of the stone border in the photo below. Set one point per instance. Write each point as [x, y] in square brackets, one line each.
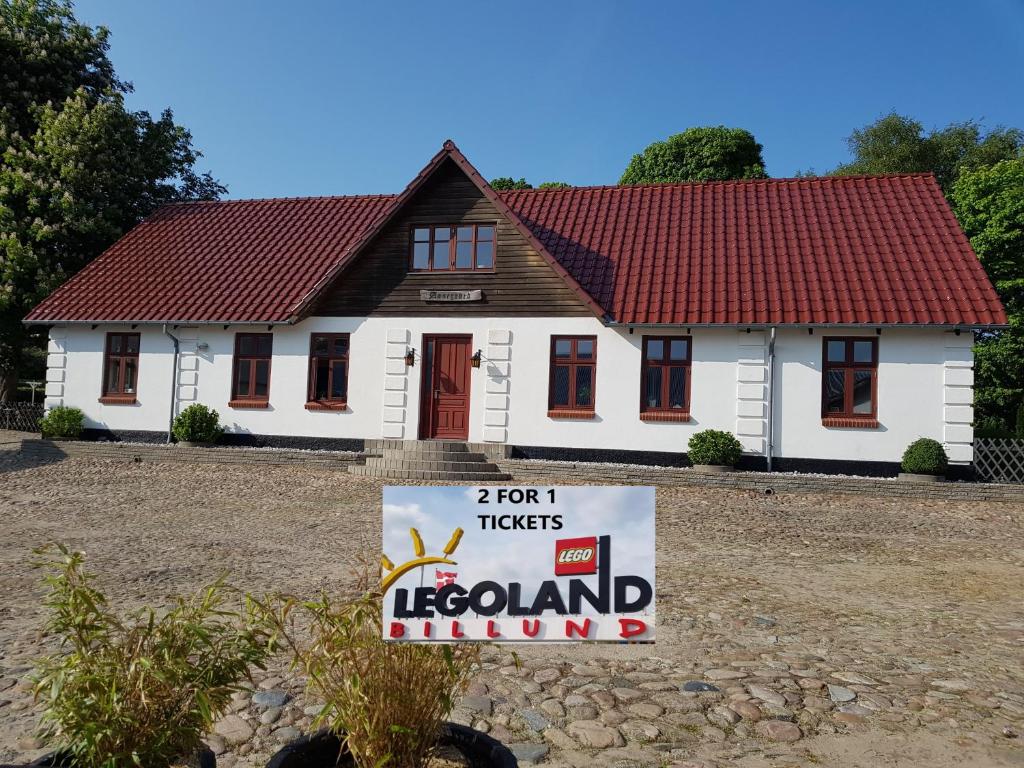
[538, 472]
[51, 450]
[555, 471]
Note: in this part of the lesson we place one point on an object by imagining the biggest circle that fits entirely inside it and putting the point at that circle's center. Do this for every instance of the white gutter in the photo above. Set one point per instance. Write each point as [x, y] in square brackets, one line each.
[174, 381]
[771, 397]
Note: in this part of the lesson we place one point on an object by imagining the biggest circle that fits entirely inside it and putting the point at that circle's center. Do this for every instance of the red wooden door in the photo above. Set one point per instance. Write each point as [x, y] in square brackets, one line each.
[444, 413]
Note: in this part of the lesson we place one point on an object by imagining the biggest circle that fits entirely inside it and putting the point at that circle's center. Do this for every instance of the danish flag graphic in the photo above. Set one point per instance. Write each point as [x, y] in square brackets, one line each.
[444, 578]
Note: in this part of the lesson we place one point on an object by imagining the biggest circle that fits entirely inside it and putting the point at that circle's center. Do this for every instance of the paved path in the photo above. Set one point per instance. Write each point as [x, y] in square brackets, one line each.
[793, 629]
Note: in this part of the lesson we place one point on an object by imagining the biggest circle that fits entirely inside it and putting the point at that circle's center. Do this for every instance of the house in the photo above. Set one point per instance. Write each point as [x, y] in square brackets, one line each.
[827, 322]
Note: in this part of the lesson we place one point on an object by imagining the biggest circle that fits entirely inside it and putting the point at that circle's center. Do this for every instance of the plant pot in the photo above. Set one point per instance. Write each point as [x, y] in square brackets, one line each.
[195, 444]
[914, 477]
[204, 758]
[322, 750]
[713, 469]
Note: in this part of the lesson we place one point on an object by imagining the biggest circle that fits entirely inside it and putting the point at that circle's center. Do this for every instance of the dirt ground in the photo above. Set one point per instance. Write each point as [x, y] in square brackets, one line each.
[917, 595]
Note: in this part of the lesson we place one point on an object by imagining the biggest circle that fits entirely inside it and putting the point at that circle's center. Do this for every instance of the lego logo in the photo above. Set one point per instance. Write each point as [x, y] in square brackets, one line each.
[576, 555]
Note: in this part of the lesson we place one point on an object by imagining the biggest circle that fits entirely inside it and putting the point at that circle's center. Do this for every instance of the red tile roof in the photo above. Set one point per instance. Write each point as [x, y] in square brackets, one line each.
[845, 250]
[874, 250]
[245, 260]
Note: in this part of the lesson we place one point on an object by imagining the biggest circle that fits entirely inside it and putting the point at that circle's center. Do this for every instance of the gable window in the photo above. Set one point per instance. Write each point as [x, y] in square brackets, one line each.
[120, 368]
[328, 372]
[665, 378]
[572, 378]
[250, 380]
[461, 247]
[849, 387]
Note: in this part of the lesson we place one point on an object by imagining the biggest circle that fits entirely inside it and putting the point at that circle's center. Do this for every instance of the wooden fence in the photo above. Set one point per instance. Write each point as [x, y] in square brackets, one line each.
[20, 417]
[999, 459]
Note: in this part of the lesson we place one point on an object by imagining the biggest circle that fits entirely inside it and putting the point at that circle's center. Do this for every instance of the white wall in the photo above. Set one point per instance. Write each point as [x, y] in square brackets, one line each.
[912, 367]
[923, 377]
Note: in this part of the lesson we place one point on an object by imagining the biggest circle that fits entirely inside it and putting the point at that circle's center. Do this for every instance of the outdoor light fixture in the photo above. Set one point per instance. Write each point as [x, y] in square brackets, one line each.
[202, 346]
[410, 357]
[475, 359]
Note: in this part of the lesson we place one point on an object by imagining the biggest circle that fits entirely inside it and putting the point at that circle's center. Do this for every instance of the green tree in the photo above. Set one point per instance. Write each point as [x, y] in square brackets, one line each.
[698, 154]
[989, 202]
[554, 185]
[77, 169]
[898, 144]
[507, 182]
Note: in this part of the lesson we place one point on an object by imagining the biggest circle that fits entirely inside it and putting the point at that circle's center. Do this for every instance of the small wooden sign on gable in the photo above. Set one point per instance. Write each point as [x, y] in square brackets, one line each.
[452, 296]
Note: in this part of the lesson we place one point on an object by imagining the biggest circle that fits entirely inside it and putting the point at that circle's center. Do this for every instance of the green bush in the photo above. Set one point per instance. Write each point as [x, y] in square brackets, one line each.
[140, 690]
[992, 426]
[713, 446]
[62, 421]
[197, 424]
[925, 456]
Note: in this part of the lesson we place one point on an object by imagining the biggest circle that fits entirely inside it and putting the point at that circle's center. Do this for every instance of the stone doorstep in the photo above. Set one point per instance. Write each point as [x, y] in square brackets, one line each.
[432, 466]
[418, 474]
[391, 453]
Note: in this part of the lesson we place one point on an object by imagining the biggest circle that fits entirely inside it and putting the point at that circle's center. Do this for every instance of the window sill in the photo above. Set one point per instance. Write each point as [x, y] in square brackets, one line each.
[248, 403]
[849, 422]
[578, 415]
[118, 400]
[677, 416]
[313, 405]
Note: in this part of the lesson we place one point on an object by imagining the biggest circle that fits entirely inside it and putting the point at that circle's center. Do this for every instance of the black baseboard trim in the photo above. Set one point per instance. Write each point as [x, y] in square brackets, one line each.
[123, 436]
[293, 442]
[243, 439]
[747, 463]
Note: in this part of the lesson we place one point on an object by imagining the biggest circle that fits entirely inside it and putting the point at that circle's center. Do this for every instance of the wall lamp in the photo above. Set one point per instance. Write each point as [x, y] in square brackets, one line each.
[475, 359]
[410, 357]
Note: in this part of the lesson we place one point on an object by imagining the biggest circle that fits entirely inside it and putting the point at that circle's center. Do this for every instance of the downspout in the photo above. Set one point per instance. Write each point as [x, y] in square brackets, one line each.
[771, 396]
[174, 381]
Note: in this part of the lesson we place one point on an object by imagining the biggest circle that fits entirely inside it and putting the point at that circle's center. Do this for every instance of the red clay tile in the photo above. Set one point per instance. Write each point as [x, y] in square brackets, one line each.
[848, 250]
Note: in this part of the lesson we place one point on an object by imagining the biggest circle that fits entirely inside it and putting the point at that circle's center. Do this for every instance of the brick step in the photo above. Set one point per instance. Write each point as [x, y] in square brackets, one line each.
[431, 466]
[415, 446]
[392, 454]
[420, 474]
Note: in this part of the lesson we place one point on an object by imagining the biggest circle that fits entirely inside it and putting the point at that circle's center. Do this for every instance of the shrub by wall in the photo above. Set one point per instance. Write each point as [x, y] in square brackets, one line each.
[925, 457]
[713, 446]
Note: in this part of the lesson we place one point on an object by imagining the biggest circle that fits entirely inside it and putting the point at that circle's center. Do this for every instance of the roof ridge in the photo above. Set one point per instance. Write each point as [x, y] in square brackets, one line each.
[374, 196]
[720, 182]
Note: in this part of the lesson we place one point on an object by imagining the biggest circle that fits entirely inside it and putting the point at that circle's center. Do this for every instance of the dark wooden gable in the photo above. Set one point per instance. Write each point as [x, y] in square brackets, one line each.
[379, 281]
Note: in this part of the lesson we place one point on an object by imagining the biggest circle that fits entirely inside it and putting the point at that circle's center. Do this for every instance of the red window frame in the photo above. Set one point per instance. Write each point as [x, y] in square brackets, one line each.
[118, 393]
[574, 409]
[847, 417]
[250, 399]
[331, 357]
[665, 365]
[436, 245]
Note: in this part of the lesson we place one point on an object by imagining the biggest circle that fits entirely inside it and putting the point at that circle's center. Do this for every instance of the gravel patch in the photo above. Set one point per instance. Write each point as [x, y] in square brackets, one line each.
[771, 611]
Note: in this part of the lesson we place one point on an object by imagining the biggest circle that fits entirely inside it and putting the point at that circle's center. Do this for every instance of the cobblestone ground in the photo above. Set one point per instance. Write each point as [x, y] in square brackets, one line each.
[793, 630]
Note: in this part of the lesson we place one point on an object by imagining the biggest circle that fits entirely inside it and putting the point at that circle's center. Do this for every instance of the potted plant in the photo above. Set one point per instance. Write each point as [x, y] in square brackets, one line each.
[713, 450]
[924, 461]
[140, 690]
[385, 703]
[197, 425]
[62, 422]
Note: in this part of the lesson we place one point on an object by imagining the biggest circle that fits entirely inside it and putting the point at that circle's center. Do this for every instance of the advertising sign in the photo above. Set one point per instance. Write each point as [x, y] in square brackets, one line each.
[518, 564]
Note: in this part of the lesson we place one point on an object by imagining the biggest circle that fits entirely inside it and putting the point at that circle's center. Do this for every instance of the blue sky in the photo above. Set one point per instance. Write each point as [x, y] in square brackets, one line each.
[331, 97]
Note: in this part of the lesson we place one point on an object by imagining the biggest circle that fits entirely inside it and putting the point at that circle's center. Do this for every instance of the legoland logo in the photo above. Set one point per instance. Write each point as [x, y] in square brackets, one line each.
[576, 556]
[497, 590]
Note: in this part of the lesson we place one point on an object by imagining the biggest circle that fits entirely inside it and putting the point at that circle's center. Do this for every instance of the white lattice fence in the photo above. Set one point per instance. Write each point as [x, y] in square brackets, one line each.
[999, 459]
